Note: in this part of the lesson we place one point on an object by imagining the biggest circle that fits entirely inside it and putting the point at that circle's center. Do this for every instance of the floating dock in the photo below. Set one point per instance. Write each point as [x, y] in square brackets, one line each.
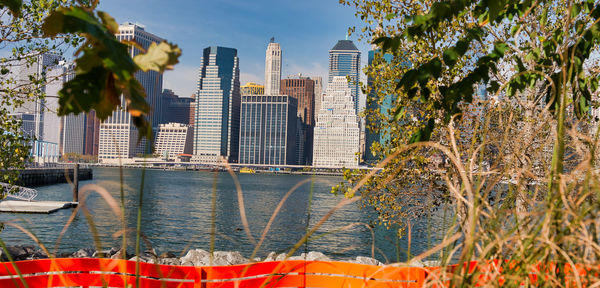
[47, 207]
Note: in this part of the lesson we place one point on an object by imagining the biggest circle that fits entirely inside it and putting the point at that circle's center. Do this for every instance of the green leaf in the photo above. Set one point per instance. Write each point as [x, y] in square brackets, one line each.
[495, 6]
[13, 5]
[158, 57]
[390, 16]
[109, 22]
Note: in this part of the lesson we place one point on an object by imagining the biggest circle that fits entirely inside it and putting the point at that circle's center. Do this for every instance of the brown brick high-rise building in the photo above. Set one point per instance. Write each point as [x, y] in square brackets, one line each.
[303, 90]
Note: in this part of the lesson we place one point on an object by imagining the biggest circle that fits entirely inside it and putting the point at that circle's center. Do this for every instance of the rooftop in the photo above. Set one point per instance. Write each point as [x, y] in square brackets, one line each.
[344, 45]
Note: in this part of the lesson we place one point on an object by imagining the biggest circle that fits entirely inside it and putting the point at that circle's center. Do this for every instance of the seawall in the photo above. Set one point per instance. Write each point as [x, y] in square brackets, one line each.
[32, 177]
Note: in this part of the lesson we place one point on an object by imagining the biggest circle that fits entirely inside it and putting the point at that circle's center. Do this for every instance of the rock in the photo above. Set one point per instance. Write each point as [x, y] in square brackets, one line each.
[118, 254]
[316, 256]
[101, 254]
[113, 251]
[367, 260]
[231, 258]
[194, 257]
[169, 261]
[167, 255]
[38, 254]
[432, 263]
[29, 249]
[143, 258]
[16, 252]
[270, 257]
[417, 263]
[83, 253]
[280, 257]
[301, 257]
[151, 252]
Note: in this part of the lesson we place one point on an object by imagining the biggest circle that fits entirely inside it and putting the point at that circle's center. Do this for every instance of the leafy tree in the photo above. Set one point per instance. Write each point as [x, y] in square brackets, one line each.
[539, 60]
[104, 68]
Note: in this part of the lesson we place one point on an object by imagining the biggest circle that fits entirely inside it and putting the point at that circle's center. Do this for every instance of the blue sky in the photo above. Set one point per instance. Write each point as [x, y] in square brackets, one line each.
[306, 30]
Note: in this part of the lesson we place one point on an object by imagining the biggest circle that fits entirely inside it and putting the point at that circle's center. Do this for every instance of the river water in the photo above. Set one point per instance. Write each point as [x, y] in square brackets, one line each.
[176, 216]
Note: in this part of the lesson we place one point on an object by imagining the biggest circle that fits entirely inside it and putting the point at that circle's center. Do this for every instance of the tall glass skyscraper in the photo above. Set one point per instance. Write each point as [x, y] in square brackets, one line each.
[344, 60]
[372, 104]
[217, 113]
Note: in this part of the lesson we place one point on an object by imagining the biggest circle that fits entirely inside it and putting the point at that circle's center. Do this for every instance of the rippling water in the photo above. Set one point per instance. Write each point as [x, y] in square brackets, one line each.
[176, 216]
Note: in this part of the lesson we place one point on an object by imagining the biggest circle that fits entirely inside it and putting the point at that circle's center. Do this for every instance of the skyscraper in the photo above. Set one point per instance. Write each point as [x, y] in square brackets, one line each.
[175, 109]
[268, 130]
[318, 93]
[302, 89]
[337, 131]
[37, 113]
[372, 104]
[217, 121]
[75, 133]
[118, 135]
[344, 60]
[273, 68]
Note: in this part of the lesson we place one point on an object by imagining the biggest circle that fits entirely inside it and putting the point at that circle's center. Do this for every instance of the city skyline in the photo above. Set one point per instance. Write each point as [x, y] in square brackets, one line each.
[306, 31]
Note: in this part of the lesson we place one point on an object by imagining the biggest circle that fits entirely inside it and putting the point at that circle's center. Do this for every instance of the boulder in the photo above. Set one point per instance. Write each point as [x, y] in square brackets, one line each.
[230, 258]
[16, 252]
[167, 255]
[38, 254]
[280, 257]
[194, 257]
[83, 253]
[169, 261]
[144, 258]
[367, 260]
[316, 256]
[270, 257]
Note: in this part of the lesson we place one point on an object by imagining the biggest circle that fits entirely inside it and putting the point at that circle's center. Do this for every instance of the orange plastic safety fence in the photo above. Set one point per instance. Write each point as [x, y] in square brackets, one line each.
[67, 272]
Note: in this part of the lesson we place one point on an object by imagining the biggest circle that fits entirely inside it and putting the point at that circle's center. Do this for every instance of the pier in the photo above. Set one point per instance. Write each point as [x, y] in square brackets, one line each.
[32, 177]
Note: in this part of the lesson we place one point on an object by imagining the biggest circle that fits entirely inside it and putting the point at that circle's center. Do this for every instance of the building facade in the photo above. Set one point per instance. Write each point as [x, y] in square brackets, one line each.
[372, 104]
[172, 140]
[318, 93]
[217, 122]
[344, 60]
[38, 113]
[273, 68]
[303, 90]
[118, 137]
[175, 109]
[337, 132]
[268, 130]
[251, 88]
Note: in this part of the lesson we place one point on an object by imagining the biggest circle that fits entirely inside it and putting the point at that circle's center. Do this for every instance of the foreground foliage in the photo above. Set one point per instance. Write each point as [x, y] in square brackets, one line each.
[519, 167]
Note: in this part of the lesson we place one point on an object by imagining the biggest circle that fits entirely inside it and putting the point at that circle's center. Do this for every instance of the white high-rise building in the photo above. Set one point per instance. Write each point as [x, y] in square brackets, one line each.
[118, 136]
[337, 133]
[173, 139]
[273, 68]
[36, 111]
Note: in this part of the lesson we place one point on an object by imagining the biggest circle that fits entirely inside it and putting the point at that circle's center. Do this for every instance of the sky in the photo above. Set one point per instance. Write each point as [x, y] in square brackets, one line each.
[305, 29]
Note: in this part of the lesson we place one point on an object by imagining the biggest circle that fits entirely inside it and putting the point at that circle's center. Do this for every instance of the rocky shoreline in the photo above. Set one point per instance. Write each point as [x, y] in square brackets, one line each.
[194, 257]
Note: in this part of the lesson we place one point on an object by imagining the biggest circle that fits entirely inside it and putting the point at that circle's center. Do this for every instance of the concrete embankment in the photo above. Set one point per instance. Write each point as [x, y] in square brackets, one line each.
[32, 177]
